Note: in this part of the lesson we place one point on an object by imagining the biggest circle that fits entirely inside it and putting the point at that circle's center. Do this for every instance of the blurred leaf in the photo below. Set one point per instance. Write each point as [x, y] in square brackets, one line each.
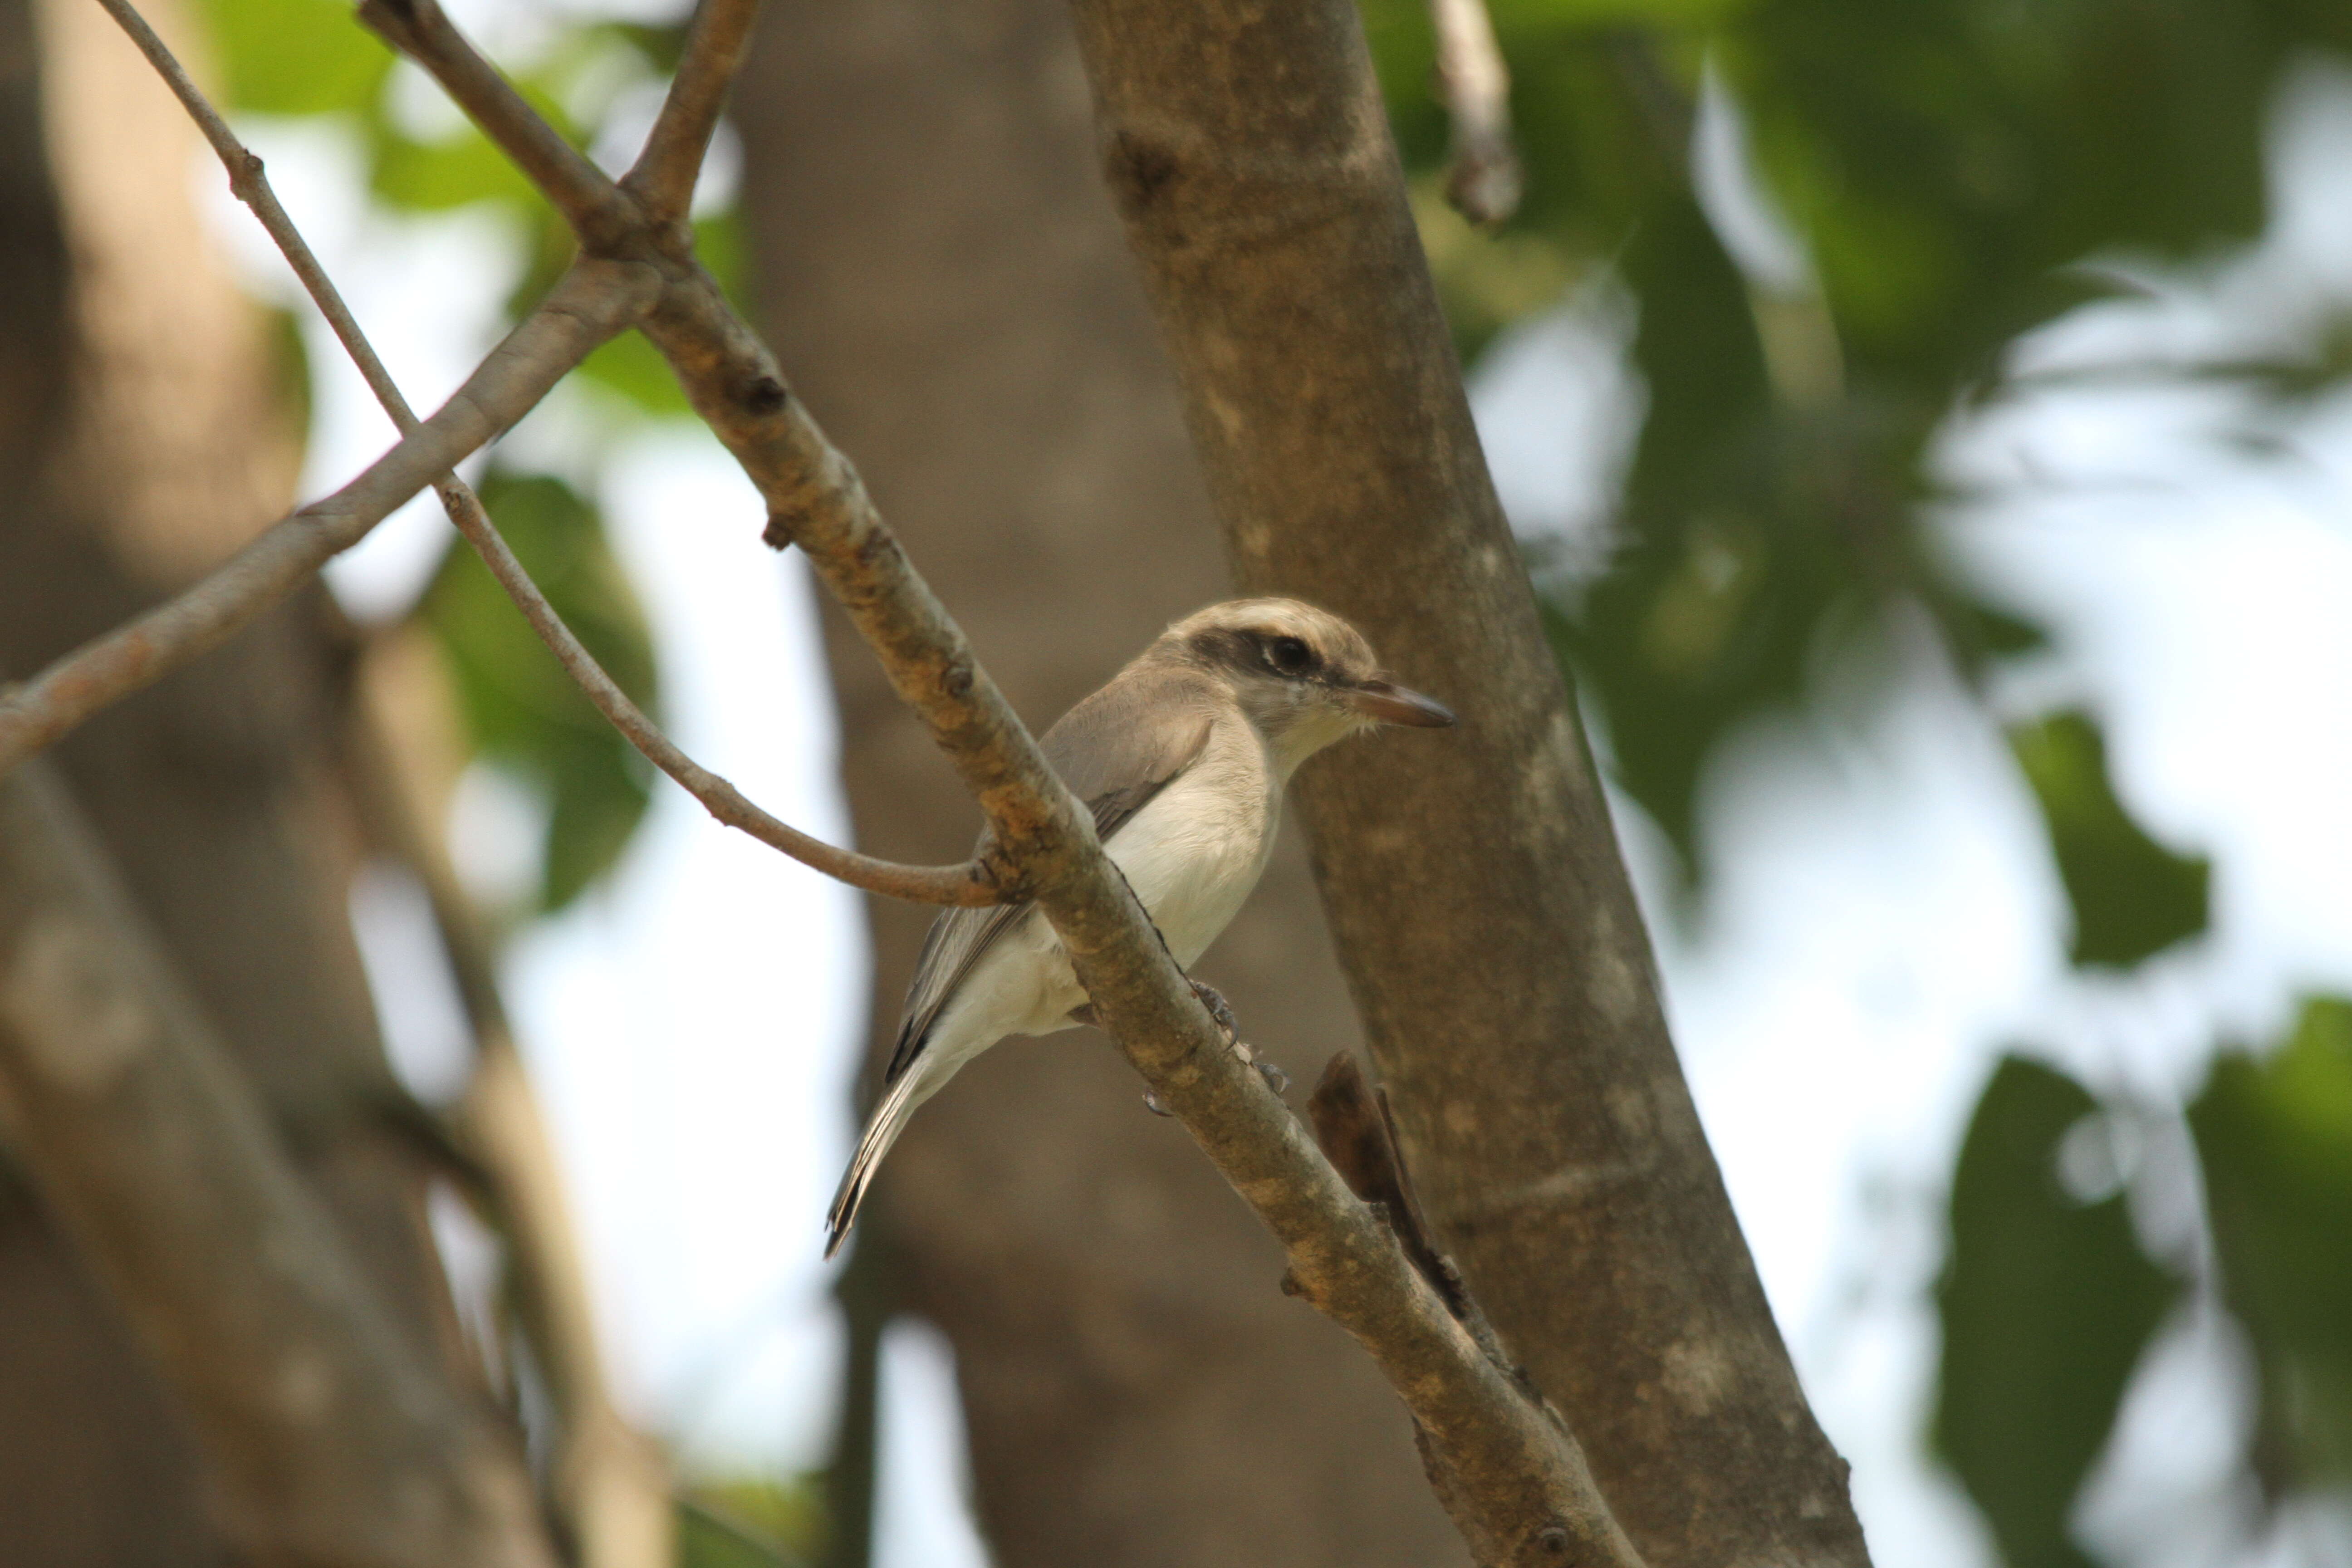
[464, 167]
[749, 1524]
[433, 176]
[1948, 166]
[725, 254]
[290, 368]
[631, 365]
[523, 711]
[2046, 1305]
[295, 57]
[662, 44]
[2274, 1137]
[2132, 896]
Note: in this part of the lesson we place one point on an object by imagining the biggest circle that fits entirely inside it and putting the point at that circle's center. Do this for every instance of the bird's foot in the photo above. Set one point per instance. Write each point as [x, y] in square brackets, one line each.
[1221, 1011]
[1151, 1104]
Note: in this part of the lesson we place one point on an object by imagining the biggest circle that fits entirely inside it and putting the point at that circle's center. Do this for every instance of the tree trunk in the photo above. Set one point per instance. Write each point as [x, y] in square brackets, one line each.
[141, 439]
[1483, 914]
[944, 282]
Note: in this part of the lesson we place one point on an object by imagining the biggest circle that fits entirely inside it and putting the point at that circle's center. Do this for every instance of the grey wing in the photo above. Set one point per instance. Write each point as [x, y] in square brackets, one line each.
[1115, 750]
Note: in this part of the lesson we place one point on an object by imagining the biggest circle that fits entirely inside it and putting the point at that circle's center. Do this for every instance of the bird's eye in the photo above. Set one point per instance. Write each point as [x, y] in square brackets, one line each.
[1291, 656]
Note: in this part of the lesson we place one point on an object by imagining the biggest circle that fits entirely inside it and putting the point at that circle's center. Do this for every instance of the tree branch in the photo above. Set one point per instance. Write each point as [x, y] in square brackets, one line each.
[1483, 182]
[933, 885]
[594, 300]
[673, 153]
[663, 176]
[332, 1441]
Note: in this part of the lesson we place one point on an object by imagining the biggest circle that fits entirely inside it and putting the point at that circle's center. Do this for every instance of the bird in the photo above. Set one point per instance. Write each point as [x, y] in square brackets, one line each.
[1181, 758]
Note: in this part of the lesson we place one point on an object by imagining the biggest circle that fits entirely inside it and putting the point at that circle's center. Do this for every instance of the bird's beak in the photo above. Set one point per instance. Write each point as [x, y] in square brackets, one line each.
[1387, 703]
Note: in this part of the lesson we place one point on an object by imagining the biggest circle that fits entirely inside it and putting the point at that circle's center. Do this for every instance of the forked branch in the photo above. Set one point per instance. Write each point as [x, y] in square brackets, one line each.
[664, 173]
[936, 885]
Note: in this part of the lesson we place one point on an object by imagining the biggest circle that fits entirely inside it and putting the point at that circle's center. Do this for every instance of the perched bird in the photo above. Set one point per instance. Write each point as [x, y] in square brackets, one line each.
[1182, 759]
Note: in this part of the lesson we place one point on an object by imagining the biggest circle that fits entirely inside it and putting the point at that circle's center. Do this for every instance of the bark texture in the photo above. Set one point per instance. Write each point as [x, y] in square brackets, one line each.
[944, 280]
[140, 440]
[1482, 911]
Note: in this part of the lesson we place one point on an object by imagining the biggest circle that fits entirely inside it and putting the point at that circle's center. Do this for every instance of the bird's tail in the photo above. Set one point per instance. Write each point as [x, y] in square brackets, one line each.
[882, 1130]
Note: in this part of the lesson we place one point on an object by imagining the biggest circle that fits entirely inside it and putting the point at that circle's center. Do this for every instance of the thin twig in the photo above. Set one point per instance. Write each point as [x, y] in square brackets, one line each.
[934, 885]
[663, 176]
[594, 300]
[1483, 182]
[967, 884]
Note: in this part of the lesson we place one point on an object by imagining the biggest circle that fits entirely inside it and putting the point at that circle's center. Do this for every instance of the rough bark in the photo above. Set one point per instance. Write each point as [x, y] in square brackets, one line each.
[141, 441]
[1493, 945]
[945, 280]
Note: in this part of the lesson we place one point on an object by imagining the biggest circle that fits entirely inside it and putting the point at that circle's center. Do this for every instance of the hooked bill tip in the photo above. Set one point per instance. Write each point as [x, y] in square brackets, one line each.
[1388, 703]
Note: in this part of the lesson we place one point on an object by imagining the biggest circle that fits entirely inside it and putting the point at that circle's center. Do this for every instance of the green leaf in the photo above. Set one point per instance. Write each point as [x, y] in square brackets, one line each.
[295, 57]
[632, 367]
[2046, 1305]
[2132, 896]
[750, 1523]
[464, 167]
[433, 176]
[2274, 1137]
[523, 711]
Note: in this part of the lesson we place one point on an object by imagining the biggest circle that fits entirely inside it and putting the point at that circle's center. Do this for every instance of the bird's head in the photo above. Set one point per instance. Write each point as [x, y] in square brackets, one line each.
[1303, 677]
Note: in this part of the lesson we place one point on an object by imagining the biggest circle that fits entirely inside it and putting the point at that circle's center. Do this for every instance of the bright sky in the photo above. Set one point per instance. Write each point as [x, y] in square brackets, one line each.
[691, 1024]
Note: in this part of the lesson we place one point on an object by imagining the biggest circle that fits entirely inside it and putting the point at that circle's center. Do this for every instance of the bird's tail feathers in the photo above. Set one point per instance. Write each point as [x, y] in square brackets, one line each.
[882, 1130]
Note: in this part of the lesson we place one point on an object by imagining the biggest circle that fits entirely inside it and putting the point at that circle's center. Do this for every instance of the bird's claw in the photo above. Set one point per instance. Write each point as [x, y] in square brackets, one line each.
[1219, 1009]
[1276, 1079]
[1151, 1104]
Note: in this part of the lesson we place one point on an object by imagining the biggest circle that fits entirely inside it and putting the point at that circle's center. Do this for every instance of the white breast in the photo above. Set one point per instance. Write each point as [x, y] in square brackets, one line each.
[1192, 856]
[1195, 852]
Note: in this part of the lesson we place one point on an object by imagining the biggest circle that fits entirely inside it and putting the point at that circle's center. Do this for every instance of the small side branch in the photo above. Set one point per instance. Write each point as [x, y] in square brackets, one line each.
[665, 173]
[967, 884]
[1483, 182]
